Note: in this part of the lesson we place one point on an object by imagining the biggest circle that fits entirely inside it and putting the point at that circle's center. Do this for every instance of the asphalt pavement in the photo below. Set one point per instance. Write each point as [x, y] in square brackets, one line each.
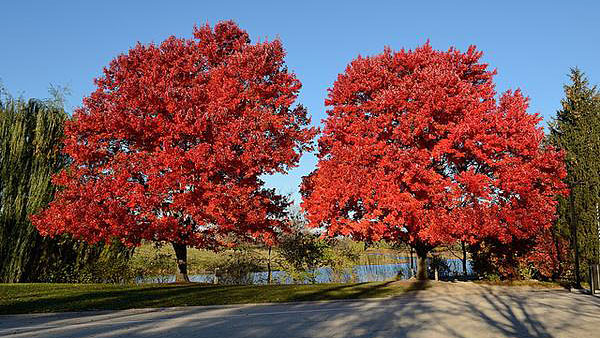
[484, 312]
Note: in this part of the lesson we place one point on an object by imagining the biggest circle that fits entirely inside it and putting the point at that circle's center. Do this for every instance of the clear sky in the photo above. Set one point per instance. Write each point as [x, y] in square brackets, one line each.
[532, 44]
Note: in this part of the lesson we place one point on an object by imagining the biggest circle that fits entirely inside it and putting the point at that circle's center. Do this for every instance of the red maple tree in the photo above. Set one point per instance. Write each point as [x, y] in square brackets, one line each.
[417, 149]
[172, 144]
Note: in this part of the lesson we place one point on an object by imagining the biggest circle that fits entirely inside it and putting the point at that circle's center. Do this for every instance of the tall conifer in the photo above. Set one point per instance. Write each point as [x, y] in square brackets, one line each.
[576, 130]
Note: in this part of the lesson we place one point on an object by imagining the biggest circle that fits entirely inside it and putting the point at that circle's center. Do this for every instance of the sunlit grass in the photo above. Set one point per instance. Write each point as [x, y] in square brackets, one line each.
[29, 298]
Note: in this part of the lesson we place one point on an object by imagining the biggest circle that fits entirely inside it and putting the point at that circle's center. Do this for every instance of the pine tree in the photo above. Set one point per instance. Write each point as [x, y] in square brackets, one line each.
[576, 130]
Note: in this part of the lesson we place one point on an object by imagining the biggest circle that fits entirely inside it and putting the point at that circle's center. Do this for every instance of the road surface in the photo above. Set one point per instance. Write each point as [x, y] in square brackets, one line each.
[481, 312]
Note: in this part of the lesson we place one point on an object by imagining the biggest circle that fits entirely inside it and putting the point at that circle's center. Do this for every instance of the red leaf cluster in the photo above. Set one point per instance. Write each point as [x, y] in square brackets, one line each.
[417, 148]
[172, 144]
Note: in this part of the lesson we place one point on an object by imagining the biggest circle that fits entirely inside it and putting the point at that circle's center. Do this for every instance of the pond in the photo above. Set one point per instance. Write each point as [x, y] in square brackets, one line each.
[360, 273]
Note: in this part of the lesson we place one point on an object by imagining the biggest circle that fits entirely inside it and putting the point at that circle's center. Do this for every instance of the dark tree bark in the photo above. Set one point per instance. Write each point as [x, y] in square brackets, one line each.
[555, 239]
[269, 273]
[575, 240]
[181, 254]
[464, 259]
[421, 262]
[412, 263]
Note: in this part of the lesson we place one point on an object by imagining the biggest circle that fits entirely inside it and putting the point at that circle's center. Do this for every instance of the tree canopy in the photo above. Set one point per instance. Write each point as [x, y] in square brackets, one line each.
[417, 148]
[172, 144]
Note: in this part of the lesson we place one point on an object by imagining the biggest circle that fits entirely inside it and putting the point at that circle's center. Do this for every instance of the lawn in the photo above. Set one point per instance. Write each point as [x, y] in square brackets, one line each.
[32, 298]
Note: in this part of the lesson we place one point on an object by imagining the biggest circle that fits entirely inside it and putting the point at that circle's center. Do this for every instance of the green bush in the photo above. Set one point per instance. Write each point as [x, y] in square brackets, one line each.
[341, 255]
[61, 273]
[236, 267]
[112, 266]
[158, 266]
[108, 263]
[302, 253]
[107, 270]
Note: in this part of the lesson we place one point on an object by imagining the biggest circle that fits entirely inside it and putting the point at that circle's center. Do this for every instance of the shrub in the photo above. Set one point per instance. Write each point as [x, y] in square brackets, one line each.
[158, 267]
[236, 267]
[341, 255]
[302, 253]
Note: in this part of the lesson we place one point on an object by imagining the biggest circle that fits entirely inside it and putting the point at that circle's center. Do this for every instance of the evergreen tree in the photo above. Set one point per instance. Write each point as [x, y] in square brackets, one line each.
[576, 130]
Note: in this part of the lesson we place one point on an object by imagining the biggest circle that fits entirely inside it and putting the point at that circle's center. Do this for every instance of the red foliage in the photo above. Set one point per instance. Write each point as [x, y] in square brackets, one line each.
[416, 148]
[550, 254]
[542, 255]
[172, 144]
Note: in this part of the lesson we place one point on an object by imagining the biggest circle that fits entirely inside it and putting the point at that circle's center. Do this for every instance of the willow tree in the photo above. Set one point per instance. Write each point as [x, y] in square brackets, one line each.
[29, 134]
[576, 130]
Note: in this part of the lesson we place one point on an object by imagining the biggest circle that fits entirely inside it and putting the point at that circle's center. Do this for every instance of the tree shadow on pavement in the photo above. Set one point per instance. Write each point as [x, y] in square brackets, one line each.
[482, 312]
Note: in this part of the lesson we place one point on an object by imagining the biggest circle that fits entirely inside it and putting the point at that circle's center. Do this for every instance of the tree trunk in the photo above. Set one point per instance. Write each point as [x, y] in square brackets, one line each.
[412, 263]
[558, 272]
[575, 241]
[421, 263]
[464, 259]
[181, 253]
[269, 274]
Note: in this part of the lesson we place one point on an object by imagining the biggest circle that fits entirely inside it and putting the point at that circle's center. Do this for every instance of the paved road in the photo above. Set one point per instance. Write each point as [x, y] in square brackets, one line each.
[489, 312]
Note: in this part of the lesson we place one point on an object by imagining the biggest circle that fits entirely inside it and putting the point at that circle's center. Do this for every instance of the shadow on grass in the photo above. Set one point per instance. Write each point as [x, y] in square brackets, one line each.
[419, 285]
[195, 294]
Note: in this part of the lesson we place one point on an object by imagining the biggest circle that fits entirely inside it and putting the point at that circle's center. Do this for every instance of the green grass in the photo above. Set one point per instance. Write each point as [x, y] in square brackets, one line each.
[32, 298]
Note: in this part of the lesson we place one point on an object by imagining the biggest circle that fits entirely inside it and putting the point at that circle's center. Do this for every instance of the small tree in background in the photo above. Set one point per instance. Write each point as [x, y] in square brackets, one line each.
[172, 144]
[416, 148]
[302, 253]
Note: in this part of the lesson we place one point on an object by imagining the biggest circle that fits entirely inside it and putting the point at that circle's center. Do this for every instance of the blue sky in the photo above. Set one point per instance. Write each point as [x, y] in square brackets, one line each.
[532, 44]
